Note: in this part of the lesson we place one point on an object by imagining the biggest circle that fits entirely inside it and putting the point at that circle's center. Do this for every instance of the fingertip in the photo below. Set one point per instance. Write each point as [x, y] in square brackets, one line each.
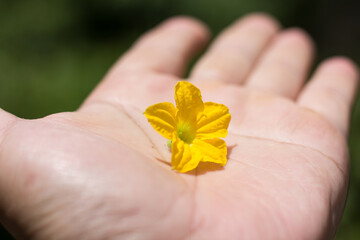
[261, 20]
[331, 91]
[234, 52]
[343, 69]
[197, 27]
[284, 65]
[299, 36]
[342, 65]
[168, 47]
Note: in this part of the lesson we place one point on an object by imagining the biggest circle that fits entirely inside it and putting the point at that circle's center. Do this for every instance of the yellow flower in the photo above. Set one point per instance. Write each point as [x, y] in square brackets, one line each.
[194, 127]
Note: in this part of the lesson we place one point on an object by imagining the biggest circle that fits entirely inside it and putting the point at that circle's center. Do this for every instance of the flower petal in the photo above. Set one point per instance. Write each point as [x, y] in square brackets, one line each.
[182, 159]
[188, 100]
[213, 121]
[161, 116]
[212, 150]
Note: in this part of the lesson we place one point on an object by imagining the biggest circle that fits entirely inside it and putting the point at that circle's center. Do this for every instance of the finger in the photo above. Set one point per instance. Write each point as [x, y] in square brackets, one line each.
[234, 52]
[331, 91]
[168, 47]
[284, 67]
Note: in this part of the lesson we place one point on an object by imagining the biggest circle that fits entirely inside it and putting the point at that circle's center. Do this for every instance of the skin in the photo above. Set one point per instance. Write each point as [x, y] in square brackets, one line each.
[102, 172]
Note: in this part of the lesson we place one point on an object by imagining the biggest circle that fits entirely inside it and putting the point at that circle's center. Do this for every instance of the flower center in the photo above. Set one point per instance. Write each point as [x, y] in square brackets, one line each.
[185, 132]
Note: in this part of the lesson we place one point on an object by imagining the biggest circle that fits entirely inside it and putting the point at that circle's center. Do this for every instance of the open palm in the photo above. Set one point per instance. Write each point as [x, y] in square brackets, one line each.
[102, 172]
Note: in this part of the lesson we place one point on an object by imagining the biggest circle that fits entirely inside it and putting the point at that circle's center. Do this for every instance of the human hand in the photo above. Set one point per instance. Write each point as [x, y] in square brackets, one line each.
[102, 172]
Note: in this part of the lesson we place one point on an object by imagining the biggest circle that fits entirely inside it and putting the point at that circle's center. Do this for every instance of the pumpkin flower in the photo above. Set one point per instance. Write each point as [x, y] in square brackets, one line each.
[193, 128]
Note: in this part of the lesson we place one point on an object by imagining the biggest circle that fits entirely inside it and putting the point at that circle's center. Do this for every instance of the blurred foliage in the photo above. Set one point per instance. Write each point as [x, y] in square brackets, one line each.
[52, 53]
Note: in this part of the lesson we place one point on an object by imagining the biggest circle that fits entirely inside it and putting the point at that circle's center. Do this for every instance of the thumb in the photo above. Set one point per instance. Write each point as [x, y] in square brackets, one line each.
[6, 120]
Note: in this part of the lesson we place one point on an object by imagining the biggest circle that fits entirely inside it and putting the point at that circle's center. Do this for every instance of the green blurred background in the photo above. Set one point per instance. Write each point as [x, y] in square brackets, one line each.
[52, 53]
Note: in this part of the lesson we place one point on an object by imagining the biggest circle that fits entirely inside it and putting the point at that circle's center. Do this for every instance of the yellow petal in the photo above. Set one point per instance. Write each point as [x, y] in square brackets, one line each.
[213, 121]
[161, 116]
[211, 150]
[181, 157]
[188, 100]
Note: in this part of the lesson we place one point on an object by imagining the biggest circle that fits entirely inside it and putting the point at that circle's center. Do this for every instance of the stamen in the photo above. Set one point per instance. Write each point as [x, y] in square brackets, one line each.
[185, 132]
